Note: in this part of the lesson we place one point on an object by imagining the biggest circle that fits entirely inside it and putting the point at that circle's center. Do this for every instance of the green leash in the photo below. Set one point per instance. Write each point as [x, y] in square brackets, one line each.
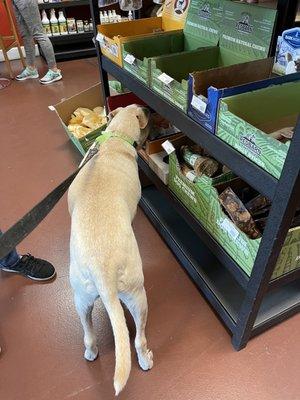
[107, 135]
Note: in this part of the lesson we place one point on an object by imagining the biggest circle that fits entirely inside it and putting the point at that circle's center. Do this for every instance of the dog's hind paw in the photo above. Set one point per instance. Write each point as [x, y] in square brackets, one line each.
[91, 354]
[146, 360]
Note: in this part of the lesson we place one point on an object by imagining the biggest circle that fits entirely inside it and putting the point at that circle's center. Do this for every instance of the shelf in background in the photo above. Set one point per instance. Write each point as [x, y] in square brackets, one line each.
[76, 53]
[71, 38]
[243, 167]
[216, 283]
[64, 4]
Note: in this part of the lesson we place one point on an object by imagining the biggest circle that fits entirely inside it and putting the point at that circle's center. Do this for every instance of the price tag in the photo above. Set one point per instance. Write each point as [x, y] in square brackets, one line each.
[168, 147]
[114, 50]
[100, 38]
[130, 59]
[230, 229]
[198, 104]
[166, 79]
[191, 176]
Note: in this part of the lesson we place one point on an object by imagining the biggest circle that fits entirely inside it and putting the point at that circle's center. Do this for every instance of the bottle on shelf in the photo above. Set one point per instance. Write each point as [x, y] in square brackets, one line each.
[80, 28]
[46, 24]
[63, 28]
[91, 25]
[114, 16]
[86, 26]
[105, 17]
[54, 23]
[110, 19]
[101, 17]
[130, 15]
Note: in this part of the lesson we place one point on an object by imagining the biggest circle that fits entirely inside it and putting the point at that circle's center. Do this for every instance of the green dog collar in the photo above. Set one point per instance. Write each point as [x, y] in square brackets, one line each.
[107, 135]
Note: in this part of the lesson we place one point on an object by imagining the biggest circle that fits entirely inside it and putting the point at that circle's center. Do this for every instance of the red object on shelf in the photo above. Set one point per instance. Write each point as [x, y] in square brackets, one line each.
[123, 100]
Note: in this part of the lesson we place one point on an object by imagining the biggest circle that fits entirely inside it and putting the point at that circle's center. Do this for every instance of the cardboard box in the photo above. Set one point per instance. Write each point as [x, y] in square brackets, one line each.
[201, 30]
[201, 199]
[206, 88]
[112, 36]
[246, 120]
[245, 35]
[89, 98]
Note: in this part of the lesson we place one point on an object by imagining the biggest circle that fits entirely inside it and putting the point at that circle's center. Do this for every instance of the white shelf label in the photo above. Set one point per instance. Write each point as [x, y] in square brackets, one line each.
[199, 104]
[130, 59]
[191, 176]
[100, 38]
[168, 147]
[230, 229]
[166, 79]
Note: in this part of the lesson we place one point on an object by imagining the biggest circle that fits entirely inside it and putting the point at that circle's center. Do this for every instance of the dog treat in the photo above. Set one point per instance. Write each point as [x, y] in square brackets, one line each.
[201, 164]
[284, 134]
[238, 213]
[257, 203]
[83, 121]
[188, 173]
[78, 130]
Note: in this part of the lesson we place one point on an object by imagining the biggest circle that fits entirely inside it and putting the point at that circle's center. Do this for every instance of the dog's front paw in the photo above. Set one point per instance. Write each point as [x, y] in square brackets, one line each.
[91, 354]
[146, 360]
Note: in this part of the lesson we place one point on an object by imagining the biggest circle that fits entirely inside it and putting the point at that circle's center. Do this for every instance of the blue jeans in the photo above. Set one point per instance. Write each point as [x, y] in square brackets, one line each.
[11, 259]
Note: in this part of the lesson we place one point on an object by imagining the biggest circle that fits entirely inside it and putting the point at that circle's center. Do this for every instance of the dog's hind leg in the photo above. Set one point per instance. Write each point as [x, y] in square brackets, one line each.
[84, 303]
[136, 302]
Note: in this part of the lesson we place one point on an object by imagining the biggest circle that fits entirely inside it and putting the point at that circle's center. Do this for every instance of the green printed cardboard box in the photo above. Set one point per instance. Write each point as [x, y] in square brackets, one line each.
[245, 35]
[201, 30]
[201, 199]
[245, 122]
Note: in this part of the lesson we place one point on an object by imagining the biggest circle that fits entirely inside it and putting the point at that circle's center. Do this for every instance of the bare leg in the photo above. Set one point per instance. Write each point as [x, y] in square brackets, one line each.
[84, 304]
[137, 304]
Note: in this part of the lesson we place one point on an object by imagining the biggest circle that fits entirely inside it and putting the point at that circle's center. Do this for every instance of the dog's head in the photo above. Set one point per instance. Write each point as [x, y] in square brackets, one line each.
[132, 121]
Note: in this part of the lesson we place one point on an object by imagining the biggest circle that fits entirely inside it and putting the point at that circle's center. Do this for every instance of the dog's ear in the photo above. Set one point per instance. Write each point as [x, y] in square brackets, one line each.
[143, 115]
[113, 113]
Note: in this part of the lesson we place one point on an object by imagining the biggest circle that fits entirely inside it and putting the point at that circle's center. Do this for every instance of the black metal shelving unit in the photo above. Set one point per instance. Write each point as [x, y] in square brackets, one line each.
[71, 46]
[246, 305]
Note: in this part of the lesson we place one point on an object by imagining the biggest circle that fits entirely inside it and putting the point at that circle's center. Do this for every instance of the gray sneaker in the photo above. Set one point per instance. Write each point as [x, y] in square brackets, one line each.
[27, 73]
[51, 76]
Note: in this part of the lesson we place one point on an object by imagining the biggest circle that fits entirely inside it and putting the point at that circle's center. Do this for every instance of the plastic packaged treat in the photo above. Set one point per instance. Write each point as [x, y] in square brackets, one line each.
[71, 25]
[79, 24]
[201, 164]
[238, 213]
[130, 5]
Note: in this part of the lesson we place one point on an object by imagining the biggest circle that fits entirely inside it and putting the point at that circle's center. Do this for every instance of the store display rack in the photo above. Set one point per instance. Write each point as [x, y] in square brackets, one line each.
[71, 46]
[246, 305]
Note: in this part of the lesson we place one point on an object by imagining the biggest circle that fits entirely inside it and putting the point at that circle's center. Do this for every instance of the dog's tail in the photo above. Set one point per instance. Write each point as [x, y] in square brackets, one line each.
[121, 337]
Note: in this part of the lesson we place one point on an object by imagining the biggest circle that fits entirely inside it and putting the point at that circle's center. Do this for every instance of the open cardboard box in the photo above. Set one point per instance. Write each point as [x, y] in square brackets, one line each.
[246, 34]
[246, 120]
[201, 30]
[201, 199]
[112, 36]
[206, 88]
[89, 98]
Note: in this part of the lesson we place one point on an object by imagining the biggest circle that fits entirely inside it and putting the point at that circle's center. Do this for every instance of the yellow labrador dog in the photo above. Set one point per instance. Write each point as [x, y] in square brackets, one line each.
[104, 255]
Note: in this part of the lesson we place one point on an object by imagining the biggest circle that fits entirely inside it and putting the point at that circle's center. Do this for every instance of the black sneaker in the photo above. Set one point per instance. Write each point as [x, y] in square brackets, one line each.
[33, 268]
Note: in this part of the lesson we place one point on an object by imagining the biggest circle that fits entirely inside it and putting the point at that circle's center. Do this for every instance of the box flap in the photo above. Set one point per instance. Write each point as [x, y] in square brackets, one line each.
[203, 21]
[89, 98]
[247, 29]
[174, 14]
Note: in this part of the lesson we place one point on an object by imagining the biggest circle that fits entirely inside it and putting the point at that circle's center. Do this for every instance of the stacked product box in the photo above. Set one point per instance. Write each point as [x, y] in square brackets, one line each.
[201, 30]
[202, 199]
[245, 35]
[112, 36]
[260, 124]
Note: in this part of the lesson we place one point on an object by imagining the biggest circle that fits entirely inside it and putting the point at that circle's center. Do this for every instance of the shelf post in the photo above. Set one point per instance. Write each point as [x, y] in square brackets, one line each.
[284, 205]
[103, 74]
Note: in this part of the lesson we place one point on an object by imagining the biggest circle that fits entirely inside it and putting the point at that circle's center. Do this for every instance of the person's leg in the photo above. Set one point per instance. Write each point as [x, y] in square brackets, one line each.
[30, 13]
[27, 265]
[25, 34]
[10, 260]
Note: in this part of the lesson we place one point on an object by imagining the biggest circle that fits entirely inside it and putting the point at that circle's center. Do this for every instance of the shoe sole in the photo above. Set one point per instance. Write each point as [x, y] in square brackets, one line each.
[53, 80]
[27, 77]
[28, 276]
